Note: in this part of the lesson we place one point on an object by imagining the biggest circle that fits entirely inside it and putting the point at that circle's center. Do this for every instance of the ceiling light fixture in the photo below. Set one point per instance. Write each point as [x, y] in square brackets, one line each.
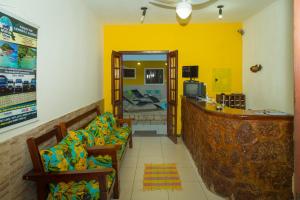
[220, 11]
[184, 9]
[144, 9]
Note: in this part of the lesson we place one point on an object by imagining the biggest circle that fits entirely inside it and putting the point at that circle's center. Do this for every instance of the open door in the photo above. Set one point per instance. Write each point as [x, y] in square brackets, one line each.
[117, 84]
[172, 88]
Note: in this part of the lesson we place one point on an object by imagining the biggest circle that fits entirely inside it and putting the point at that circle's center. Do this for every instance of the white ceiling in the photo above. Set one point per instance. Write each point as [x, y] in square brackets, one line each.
[128, 11]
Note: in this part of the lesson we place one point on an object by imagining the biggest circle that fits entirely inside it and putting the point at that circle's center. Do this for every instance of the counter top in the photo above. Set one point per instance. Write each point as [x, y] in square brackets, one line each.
[210, 108]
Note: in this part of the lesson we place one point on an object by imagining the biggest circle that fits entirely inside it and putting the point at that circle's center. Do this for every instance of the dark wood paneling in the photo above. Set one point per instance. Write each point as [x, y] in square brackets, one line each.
[297, 94]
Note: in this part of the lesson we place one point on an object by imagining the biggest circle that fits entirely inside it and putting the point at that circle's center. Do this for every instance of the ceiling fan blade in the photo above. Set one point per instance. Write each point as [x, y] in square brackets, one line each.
[195, 2]
[204, 5]
[171, 2]
[163, 5]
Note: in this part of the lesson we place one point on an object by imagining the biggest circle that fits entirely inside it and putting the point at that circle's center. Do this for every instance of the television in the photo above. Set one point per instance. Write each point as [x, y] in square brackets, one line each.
[190, 71]
[194, 89]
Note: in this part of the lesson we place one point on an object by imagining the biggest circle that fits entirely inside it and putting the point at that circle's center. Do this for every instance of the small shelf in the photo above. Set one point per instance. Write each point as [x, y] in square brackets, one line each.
[232, 100]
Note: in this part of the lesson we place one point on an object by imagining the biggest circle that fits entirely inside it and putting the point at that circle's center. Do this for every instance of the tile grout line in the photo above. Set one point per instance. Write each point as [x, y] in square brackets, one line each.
[138, 157]
[164, 160]
[199, 179]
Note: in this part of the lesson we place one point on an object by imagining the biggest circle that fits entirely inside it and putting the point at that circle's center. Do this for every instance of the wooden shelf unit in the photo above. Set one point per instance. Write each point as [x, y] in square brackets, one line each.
[232, 100]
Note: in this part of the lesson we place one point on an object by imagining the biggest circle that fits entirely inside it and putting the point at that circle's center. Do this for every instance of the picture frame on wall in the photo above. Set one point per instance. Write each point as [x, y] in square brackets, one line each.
[154, 76]
[18, 70]
[129, 73]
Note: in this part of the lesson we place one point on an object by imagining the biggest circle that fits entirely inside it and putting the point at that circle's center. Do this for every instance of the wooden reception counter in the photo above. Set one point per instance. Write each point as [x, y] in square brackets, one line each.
[240, 154]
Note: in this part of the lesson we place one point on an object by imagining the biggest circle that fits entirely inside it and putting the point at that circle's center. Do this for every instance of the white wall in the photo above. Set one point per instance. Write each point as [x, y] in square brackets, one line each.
[70, 68]
[268, 41]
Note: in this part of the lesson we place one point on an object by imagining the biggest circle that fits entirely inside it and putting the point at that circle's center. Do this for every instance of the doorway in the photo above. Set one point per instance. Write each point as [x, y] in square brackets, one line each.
[144, 87]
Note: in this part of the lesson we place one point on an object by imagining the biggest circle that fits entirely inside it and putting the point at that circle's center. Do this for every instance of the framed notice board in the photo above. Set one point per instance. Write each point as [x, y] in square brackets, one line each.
[18, 67]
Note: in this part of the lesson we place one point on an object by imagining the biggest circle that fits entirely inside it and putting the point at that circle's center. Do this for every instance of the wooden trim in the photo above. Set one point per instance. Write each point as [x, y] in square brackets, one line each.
[145, 52]
[297, 94]
[33, 146]
[172, 99]
[81, 117]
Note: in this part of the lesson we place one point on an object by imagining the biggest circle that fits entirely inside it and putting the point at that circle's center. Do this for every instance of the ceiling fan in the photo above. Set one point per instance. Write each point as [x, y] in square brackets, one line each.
[183, 7]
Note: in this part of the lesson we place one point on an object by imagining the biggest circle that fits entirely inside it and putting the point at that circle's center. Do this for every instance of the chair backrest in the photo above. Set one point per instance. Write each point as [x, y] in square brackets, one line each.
[64, 126]
[33, 144]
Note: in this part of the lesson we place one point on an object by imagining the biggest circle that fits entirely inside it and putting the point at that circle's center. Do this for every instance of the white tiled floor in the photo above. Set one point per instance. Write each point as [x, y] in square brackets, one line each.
[160, 150]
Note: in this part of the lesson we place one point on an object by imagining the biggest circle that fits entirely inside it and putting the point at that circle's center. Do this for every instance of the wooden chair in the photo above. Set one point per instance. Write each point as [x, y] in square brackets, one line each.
[64, 126]
[43, 178]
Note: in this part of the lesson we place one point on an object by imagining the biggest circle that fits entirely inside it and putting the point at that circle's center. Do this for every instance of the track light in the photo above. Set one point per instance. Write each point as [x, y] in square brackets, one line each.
[220, 11]
[144, 9]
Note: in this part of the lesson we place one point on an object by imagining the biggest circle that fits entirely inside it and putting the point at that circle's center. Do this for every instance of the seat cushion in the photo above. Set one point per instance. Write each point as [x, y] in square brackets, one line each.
[122, 132]
[71, 155]
[98, 162]
[100, 131]
[84, 136]
[65, 156]
[88, 190]
[109, 118]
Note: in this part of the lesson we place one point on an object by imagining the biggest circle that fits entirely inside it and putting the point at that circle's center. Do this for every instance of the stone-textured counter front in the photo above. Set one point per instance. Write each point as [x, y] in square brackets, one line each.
[240, 155]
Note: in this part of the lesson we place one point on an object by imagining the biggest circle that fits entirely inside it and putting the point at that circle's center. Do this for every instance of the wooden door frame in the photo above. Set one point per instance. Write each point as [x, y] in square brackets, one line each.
[148, 52]
[297, 96]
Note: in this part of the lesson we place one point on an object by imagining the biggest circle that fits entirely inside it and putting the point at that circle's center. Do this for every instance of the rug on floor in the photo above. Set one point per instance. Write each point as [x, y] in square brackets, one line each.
[161, 177]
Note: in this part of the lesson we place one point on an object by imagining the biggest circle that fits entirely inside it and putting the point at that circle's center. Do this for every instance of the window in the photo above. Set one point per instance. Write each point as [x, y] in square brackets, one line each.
[129, 73]
[154, 76]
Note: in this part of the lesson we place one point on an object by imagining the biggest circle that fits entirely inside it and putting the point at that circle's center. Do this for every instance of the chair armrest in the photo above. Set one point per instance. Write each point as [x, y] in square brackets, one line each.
[125, 121]
[91, 174]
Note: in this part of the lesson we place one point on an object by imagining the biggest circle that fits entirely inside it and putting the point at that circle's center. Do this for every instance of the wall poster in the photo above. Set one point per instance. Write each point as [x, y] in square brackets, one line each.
[18, 60]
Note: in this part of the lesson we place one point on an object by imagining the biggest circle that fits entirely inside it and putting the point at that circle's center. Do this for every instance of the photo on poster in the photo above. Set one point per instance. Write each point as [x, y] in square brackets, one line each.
[26, 57]
[8, 54]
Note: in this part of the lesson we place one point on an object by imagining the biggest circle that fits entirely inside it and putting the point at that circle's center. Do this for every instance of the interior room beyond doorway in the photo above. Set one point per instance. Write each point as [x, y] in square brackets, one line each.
[145, 92]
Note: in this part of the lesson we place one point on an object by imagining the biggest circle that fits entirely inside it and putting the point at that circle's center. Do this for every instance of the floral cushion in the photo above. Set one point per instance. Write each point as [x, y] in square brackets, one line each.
[100, 131]
[109, 118]
[68, 155]
[65, 156]
[78, 190]
[74, 190]
[122, 132]
[85, 137]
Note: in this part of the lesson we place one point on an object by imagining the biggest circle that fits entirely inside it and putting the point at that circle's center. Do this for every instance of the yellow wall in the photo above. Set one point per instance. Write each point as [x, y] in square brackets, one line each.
[139, 70]
[215, 45]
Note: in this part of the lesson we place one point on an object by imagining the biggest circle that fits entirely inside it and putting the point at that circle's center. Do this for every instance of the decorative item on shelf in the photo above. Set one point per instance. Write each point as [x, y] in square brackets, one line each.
[255, 68]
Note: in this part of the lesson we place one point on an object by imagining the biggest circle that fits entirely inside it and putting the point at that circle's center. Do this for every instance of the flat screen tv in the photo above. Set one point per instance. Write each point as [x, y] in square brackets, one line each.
[190, 71]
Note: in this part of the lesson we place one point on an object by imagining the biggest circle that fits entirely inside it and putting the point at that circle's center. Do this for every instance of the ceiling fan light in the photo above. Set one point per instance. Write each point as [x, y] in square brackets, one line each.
[184, 9]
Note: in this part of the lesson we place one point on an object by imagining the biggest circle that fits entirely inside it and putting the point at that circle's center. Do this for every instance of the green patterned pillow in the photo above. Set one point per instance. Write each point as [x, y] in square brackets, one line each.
[85, 137]
[67, 155]
[109, 118]
[100, 131]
